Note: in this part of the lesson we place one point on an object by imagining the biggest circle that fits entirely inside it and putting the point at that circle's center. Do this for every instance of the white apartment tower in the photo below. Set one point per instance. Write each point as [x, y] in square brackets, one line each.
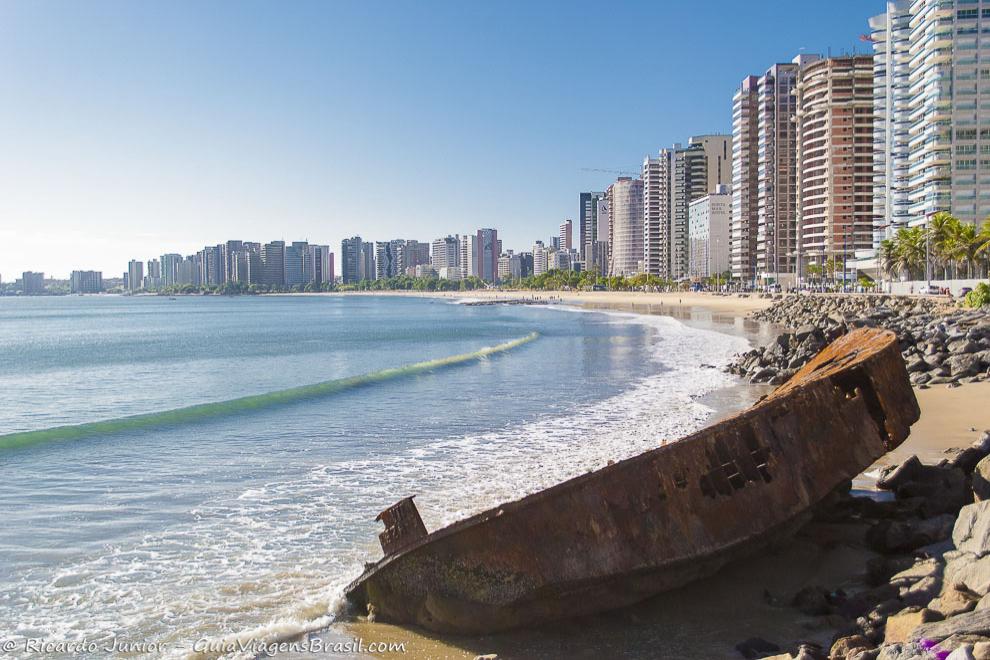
[891, 36]
[745, 179]
[656, 214]
[708, 233]
[940, 51]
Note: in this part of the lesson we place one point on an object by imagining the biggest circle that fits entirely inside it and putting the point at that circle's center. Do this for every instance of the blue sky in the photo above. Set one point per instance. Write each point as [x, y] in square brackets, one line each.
[129, 129]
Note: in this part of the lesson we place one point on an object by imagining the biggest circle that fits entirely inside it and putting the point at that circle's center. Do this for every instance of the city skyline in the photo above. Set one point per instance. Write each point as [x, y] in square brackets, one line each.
[282, 123]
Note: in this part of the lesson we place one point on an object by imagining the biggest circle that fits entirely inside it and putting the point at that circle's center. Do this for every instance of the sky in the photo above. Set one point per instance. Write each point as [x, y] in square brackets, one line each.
[132, 129]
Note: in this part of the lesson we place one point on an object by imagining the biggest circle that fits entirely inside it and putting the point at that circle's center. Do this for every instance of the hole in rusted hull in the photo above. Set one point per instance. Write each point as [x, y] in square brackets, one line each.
[856, 382]
[758, 453]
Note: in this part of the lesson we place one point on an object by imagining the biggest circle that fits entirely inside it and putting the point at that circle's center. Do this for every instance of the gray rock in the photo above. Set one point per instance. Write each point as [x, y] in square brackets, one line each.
[969, 570]
[964, 365]
[907, 471]
[890, 536]
[976, 622]
[971, 533]
[981, 479]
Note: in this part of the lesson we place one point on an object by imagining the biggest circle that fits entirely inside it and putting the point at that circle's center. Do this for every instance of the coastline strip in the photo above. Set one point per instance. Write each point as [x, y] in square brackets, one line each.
[202, 411]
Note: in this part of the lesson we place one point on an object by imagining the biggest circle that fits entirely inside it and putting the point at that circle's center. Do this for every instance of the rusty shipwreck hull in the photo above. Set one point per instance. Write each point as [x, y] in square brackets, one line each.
[656, 521]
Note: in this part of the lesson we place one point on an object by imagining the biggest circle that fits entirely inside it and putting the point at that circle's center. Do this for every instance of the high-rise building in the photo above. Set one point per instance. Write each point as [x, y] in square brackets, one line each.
[592, 214]
[86, 281]
[835, 158]
[657, 178]
[745, 179]
[446, 253]
[526, 264]
[189, 271]
[415, 253]
[488, 249]
[211, 264]
[388, 259]
[932, 123]
[891, 37]
[170, 268]
[540, 264]
[318, 266]
[33, 284]
[777, 178]
[153, 275]
[566, 235]
[697, 170]
[509, 267]
[366, 264]
[469, 255]
[135, 274]
[764, 174]
[273, 262]
[625, 226]
[708, 233]
[294, 264]
[350, 260]
[671, 182]
[231, 250]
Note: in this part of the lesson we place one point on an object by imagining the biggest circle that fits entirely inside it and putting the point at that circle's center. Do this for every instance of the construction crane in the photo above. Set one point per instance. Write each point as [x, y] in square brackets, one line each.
[607, 171]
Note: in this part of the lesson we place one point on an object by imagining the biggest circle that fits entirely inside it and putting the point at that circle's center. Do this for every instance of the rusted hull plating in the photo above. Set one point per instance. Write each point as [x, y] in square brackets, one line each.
[661, 519]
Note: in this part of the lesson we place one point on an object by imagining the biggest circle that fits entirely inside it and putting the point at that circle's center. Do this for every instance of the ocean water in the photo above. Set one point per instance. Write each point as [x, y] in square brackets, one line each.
[175, 471]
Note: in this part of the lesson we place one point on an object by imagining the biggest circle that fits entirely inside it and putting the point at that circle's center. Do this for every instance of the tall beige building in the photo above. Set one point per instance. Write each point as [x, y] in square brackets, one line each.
[625, 226]
[835, 158]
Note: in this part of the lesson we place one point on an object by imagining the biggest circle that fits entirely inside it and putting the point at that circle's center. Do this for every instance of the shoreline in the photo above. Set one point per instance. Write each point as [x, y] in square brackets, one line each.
[679, 623]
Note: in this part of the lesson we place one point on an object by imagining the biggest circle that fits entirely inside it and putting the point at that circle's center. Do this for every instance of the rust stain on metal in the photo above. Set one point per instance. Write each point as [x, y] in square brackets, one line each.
[403, 526]
[655, 521]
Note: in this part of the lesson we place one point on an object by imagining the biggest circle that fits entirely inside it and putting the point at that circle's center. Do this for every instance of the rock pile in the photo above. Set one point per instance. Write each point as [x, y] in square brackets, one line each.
[941, 344]
[927, 594]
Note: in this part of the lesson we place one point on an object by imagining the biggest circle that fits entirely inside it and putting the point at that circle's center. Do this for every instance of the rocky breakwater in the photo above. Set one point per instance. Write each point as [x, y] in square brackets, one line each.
[941, 344]
[925, 593]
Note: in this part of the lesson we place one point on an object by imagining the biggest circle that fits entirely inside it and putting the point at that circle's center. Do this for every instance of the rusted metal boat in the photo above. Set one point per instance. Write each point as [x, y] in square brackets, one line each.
[656, 521]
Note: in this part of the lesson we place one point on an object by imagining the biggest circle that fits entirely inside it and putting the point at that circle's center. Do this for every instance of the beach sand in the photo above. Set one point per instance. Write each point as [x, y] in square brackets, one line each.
[704, 620]
[727, 304]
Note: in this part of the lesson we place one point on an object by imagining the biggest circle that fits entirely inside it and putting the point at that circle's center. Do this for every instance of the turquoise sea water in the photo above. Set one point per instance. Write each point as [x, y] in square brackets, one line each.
[210, 468]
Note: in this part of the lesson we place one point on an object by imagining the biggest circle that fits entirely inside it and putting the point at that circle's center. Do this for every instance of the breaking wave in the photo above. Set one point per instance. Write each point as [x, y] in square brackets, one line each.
[204, 411]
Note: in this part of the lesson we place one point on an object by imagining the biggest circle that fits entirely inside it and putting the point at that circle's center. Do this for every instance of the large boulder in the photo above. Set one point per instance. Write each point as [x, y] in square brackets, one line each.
[902, 627]
[981, 479]
[967, 569]
[894, 536]
[964, 365]
[971, 533]
[955, 599]
[976, 622]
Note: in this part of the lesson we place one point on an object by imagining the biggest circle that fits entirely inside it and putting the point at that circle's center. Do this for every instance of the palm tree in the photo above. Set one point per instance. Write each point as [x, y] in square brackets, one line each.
[911, 253]
[942, 229]
[888, 257]
[983, 242]
[966, 244]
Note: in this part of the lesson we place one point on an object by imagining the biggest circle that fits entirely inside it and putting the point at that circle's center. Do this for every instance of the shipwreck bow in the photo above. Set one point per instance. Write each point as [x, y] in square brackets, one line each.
[655, 521]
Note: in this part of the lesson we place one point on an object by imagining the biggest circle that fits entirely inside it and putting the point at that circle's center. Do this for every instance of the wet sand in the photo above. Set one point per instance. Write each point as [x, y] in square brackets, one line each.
[705, 620]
